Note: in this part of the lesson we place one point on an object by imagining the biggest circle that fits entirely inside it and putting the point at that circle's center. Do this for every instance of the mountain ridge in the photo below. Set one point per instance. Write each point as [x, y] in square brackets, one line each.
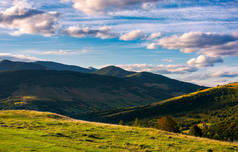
[7, 65]
[75, 94]
[113, 71]
[196, 102]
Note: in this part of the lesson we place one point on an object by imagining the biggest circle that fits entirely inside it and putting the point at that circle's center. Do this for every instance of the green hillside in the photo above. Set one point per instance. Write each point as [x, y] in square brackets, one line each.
[198, 102]
[214, 110]
[47, 132]
[72, 93]
[171, 86]
[168, 86]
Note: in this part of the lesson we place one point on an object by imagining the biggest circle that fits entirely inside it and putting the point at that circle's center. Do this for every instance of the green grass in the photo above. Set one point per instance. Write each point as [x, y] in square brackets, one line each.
[47, 132]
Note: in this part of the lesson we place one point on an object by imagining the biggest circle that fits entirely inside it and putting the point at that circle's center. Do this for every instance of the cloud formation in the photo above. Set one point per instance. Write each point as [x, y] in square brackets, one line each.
[226, 74]
[78, 32]
[133, 35]
[214, 76]
[18, 57]
[160, 69]
[57, 52]
[64, 52]
[210, 44]
[228, 49]
[154, 36]
[102, 6]
[107, 33]
[204, 61]
[22, 19]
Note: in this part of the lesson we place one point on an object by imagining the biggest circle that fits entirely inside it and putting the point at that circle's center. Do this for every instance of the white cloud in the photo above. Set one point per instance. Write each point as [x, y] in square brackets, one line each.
[214, 75]
[228, 49]
[57, 52]
[210, 44]
[226, 74]
[192, 41]
[21, 18]
[103, 6]
[133, 35]
[204, 61]
[160, 69]
[64, 52]
[148, 6]
[152, 46]
[18, 57]
[78, 32]
[154, 36]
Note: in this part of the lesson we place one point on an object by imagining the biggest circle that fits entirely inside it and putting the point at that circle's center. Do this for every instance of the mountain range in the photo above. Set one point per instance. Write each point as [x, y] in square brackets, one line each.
[112, 94]
[7, 65]
[77, 94]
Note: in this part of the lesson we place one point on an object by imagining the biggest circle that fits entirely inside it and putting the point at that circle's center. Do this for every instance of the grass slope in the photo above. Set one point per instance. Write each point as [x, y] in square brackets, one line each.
[200, 102]
[47, 132]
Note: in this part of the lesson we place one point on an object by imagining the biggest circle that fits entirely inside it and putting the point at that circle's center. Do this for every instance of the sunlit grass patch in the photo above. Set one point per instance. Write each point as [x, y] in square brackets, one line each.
[48, 132]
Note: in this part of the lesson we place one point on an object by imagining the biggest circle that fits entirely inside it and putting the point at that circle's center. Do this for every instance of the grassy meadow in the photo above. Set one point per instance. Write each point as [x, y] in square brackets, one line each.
[47, 132]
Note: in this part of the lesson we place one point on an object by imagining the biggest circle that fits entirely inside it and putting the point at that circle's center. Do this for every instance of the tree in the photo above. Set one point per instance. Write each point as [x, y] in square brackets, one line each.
[136, 122]
[167, 123]
[195, 130]
[121, 122]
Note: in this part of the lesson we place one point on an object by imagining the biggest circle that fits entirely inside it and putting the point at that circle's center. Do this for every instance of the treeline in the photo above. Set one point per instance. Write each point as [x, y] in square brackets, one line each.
[225, 128]
[196, 103]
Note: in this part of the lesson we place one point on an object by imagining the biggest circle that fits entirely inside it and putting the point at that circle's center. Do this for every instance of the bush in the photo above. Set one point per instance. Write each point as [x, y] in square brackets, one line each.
[195, 131]
[136, 122]
[167, 123]
[121, 122]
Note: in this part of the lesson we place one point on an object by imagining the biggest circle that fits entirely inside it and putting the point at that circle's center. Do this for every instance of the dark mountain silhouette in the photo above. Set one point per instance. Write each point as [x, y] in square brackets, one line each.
[63, 67]
[7, 65]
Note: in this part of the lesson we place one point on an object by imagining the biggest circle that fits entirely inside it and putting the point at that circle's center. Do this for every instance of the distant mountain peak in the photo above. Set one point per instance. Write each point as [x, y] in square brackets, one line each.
[113, 67]
[92, 69]
[63, 67]
[7, 65]
[6, 61]
[113, 71]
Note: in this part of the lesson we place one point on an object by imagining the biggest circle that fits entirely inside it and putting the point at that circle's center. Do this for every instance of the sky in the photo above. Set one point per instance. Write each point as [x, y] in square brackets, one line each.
[189, 40]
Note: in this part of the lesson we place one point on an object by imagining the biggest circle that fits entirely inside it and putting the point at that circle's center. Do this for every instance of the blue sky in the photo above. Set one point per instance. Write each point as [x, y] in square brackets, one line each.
[189, 40]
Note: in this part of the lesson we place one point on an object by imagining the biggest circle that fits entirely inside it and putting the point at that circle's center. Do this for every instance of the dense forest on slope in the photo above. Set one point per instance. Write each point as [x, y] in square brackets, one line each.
[75, 94]
[214, 110]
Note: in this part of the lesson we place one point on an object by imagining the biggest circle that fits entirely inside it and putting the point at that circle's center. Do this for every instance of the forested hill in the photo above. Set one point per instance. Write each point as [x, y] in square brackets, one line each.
[75, 94]
[194, 103]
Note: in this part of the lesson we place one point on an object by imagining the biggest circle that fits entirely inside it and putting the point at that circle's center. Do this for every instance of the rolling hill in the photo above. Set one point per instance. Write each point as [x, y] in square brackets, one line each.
[113, 71]
[198, 102]
[168, 86]
[74, 94]
[7, 65]
[63, 67]
[213, 110]
[48, 132]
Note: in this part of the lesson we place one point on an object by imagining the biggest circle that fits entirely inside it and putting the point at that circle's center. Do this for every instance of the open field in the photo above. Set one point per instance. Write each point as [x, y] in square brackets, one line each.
[48, 132]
